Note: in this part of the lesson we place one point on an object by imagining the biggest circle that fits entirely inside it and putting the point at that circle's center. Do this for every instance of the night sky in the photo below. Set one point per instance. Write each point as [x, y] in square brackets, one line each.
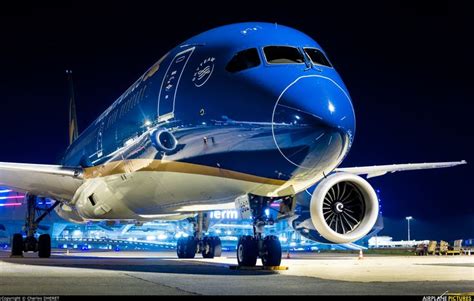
[409, 69]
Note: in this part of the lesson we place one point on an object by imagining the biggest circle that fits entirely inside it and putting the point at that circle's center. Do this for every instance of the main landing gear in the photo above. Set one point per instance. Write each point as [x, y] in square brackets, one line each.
[42, 245]
[208, 246]
[268, 248]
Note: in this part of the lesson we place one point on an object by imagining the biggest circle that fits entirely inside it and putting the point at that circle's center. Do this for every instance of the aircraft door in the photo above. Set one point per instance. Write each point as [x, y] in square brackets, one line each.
[169, 85]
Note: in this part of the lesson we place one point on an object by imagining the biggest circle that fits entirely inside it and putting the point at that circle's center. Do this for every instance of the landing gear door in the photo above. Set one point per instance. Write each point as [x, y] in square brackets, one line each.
[169, 85]
[242, 204]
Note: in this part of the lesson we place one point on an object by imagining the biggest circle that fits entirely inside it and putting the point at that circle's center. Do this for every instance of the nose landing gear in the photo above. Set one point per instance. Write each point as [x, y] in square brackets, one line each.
[268, 248]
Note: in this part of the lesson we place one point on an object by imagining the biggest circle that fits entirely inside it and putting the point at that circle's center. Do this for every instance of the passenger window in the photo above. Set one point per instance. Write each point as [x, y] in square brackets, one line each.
[317, 57]
[283, 55]
[244, 59]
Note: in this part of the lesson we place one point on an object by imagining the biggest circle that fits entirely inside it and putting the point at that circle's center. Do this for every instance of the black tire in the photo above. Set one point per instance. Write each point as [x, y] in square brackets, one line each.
[271, 253]
[181, 247]
[186, 247]
[247, 251]
[17, 245]
[212, 247]
[191, 247]
[44, 246]
[217, 247]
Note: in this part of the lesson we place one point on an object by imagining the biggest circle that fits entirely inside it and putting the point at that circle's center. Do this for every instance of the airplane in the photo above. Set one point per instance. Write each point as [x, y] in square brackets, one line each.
[251, 116]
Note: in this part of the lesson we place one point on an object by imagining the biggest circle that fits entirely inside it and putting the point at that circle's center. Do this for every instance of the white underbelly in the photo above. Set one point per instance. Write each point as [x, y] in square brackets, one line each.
[149, 195]
[166, 192]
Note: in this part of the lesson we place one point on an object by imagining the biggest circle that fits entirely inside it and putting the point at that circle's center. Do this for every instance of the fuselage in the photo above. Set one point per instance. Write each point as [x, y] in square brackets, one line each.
[245, 108]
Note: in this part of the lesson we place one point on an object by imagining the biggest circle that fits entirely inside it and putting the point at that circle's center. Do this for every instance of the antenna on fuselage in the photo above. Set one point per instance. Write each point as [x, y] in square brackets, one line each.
[73, 130]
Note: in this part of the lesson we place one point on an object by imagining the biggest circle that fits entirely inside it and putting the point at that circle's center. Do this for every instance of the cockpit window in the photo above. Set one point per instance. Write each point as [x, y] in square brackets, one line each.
[283, 55]
[244, 59]
[317, 57]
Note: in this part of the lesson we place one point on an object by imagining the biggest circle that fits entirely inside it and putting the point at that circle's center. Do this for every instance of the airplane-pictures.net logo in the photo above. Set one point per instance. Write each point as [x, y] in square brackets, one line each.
[203, 72]
[444, 297]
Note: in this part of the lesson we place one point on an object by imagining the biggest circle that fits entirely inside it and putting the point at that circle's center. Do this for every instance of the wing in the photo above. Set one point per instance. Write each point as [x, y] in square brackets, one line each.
[54, 181]
[380, 170]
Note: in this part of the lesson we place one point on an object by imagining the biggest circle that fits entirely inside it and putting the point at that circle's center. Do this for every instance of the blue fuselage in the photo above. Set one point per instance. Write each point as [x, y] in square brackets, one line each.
[278, 120]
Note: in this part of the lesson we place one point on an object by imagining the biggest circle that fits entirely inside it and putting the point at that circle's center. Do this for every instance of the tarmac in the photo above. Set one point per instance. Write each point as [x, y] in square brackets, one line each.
[161, 273]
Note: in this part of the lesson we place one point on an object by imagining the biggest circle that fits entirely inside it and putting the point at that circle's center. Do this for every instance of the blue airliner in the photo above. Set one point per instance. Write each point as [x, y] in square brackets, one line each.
[250, 116]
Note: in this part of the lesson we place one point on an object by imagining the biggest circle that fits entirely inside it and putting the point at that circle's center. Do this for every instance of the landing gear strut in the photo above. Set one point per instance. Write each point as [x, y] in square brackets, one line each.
[208, 246]
[268, 248]
[42, 245]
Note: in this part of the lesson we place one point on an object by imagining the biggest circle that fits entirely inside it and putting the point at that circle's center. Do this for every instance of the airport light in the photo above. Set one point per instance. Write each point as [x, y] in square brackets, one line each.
[12, 197]
[181, 234]
[162, 236]
[10, 204]
[409, 218]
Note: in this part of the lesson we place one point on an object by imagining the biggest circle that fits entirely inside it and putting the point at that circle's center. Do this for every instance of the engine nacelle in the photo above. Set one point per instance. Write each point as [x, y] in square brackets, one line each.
[344, 208]
[96, 199]
[69, 213]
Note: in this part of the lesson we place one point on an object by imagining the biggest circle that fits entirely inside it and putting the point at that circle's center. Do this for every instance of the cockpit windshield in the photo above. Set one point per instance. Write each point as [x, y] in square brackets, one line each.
[283, 55]
[317, 57]
[244, 59]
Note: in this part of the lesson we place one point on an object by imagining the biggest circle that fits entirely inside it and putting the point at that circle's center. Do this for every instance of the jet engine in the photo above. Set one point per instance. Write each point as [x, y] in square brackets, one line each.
[344, 207]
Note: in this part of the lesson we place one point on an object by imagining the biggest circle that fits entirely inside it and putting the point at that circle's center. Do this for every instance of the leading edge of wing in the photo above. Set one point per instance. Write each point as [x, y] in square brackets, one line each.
[54, 181]
[59, 170]
[380, 170]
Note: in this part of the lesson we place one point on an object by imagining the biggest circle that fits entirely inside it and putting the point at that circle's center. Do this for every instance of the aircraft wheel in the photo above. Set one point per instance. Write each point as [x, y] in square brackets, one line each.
[217, 247]
[186, 247]
[180, 248]
[212, 247]
[44, 246]
[247, 251]
[17, 245]
[271, 253]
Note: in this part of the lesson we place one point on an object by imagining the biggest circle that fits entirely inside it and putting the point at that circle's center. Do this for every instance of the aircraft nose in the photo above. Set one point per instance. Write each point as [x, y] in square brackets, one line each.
[313, 123]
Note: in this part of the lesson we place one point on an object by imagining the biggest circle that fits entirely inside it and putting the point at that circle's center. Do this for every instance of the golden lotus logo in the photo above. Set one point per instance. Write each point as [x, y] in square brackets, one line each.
[203, 72]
